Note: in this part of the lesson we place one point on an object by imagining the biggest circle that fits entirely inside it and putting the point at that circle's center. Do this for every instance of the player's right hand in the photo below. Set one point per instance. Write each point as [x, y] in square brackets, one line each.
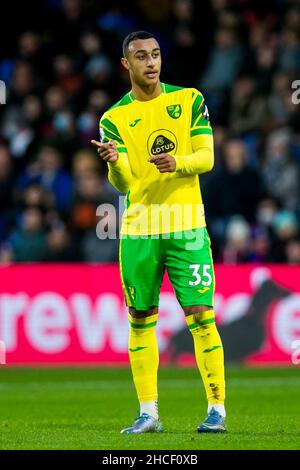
[107, 151]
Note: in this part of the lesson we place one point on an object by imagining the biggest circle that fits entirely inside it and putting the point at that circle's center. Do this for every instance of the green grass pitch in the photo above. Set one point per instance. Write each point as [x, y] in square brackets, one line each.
[86, 408]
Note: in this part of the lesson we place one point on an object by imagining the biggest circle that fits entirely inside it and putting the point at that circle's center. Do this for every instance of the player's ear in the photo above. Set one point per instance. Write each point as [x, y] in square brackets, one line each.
[125, 63]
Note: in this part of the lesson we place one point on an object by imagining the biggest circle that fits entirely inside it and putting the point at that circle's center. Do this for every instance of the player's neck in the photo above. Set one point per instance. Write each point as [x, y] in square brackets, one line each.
[146, 93]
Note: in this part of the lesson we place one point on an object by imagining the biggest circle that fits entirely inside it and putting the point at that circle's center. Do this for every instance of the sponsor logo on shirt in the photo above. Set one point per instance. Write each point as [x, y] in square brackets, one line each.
[162, 141]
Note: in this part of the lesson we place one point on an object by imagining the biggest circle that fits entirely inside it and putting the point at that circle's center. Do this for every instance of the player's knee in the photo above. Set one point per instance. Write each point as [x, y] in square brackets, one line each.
[199, 311]
[143, 313]
[142, 322]
[200, 320]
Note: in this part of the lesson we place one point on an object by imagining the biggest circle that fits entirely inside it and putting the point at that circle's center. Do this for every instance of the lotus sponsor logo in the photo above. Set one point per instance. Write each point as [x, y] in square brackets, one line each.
[162, 141]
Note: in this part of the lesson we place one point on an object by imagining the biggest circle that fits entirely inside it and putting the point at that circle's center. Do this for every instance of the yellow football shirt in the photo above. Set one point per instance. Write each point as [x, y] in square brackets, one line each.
[176, 122]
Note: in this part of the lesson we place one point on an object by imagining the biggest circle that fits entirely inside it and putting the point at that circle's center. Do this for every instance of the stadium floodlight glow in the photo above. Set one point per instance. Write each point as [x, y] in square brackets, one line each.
[2, 92]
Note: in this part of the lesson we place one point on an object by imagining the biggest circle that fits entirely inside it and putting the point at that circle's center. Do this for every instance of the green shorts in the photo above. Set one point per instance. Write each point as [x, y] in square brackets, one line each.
[185, 255]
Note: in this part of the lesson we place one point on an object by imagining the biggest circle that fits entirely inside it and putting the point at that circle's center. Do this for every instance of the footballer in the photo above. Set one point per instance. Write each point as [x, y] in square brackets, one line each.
[156, 141]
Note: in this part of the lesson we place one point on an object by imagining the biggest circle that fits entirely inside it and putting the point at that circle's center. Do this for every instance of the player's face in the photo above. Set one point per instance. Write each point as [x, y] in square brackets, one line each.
[143, 61]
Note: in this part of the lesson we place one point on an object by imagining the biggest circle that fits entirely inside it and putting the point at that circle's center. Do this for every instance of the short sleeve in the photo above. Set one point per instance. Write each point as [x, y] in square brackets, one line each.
[200, 117]
[109, 131]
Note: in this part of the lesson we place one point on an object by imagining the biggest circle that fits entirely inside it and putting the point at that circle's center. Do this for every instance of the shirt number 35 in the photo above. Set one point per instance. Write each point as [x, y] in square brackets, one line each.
[205, 278]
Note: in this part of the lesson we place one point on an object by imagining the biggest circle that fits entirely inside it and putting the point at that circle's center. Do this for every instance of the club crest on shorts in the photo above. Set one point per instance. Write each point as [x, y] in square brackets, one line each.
[132, 293]
[174, 111]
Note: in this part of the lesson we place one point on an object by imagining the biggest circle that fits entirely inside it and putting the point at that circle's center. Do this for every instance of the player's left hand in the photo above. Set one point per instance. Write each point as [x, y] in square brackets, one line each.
[164, 162]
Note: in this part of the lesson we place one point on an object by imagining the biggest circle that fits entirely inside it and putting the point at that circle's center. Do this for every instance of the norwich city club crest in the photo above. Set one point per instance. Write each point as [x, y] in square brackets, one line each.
[132, 293]
[174, 111]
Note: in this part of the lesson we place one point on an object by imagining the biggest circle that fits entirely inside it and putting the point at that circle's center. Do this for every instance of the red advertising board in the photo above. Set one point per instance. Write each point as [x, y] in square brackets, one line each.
[75, 314]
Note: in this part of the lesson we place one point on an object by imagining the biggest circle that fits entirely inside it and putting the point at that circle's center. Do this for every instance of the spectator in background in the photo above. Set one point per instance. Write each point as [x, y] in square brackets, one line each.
[219, 143]
[31, 51]
[289, 56]
[247, 109]
[47, 171]
[277, 111]
[32, 111]
[6, 177]
[66, 77]
[267, 209]
[102, 250]
[280, 173]
[71, 17]
[6, 189]
[247, 114]
[292, 251]
[23, 82]
[60, 247]
[265, 67]
[260, 245]
[88, 120]
[19, 135]
[90, 45]
[286, 228]
[225, 61]
[188, 32]
[29, 240]
[85, 161]
[224, 64]
[90, 193]
[237, 244]
[95, 63]
[55, 101]
[37, 197]
[6, 254]
[234, 189]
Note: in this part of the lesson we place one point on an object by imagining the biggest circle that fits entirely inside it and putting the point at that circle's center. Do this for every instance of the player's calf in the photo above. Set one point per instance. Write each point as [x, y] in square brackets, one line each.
[210, 360]
[144, 360]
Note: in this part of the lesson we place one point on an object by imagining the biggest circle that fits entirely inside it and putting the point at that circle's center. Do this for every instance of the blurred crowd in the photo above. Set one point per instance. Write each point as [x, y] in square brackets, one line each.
[61, 66]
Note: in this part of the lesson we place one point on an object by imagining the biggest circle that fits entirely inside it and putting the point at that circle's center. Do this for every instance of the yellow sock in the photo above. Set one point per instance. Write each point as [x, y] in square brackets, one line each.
[144, 356]
[209, 354]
